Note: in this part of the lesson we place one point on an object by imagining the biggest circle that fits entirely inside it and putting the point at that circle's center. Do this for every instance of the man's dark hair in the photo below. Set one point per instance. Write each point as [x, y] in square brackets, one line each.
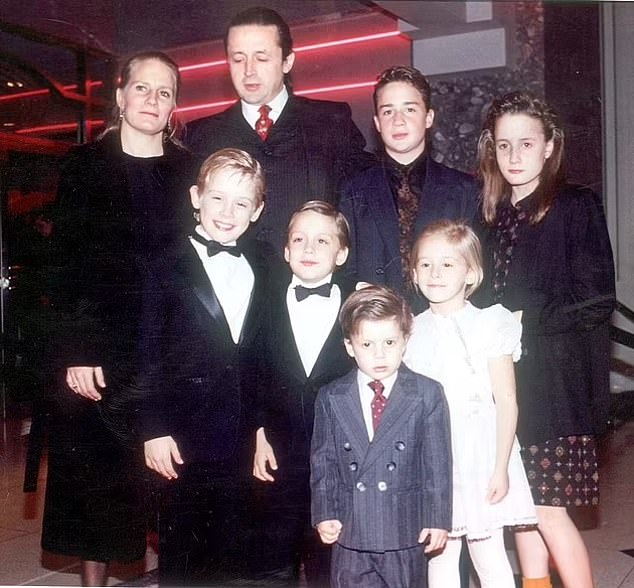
[409, 75]
[262, 16]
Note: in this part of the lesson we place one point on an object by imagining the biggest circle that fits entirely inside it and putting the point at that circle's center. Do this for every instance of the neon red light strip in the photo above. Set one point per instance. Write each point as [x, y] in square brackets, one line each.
[336, 88]
[347, 41]
[43, 91]
[313, 47]
[57, 127]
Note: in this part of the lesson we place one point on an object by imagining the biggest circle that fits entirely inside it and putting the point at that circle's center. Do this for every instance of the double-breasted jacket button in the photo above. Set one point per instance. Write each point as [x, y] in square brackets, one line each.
[347, 446]
[382, 486]
[379, 271]
[361, 486]
[391, 466]
[353, 466]
[400, 446]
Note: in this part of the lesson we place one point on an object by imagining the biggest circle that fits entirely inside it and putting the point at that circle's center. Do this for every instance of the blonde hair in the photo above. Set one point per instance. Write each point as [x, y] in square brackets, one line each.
[114, 123]
[462, 237]
[325, 209]
[237, 161]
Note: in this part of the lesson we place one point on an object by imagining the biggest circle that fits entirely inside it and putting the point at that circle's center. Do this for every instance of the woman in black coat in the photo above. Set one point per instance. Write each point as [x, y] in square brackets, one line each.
[122, 201]
[549, 258]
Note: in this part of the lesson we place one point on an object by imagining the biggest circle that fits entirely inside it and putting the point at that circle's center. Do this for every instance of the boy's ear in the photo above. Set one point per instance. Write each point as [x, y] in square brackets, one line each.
[195, 197]
[256, 215]
[287, 256]
[429, 118]
[349, 348]
[342, 255]
[470, 278]
[375, 118]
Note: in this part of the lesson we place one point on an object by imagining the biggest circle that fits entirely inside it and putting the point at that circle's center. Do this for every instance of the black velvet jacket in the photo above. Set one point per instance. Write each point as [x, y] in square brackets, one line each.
[562, 277]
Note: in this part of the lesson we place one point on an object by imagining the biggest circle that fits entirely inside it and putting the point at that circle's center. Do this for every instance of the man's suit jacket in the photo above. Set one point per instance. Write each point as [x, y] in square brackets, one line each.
[313, 146]
[288, 422]
[199, 383]
[386, 491]
[369, 206]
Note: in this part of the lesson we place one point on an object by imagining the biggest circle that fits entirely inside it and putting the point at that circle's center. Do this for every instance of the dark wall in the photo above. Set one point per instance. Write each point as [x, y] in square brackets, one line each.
[573, 84]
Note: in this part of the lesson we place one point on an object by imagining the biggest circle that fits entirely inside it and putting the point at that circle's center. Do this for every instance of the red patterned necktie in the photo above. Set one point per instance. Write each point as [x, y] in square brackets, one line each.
[378, 402]
[264, 123]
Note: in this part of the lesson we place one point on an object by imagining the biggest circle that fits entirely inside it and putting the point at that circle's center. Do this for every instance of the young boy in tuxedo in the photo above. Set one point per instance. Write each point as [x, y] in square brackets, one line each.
[306, 352]
[381, 453]
[204, 340]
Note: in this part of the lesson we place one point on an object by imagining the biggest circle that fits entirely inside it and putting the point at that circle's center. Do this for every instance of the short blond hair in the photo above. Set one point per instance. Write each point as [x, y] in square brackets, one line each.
[237, 161]
[462, 236]
[325, 209]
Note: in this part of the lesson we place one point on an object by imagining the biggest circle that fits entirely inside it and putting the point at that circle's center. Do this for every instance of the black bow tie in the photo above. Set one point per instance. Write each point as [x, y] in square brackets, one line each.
[213, 247]
[302, 292]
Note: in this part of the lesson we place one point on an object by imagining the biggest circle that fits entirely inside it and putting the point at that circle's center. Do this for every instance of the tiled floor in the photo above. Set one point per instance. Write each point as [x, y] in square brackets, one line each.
[22, 562]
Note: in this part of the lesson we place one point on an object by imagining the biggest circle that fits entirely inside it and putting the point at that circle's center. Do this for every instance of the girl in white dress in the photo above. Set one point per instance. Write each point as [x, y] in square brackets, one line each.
[471, 352]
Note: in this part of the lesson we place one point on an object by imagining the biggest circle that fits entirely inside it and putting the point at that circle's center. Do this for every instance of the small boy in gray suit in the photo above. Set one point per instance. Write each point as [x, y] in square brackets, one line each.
[381, 454]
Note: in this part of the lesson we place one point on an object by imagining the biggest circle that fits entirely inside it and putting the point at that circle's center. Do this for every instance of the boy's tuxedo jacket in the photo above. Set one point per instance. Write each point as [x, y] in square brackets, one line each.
[368, 204]
[199, 384]
[290, 396]
[386, 491]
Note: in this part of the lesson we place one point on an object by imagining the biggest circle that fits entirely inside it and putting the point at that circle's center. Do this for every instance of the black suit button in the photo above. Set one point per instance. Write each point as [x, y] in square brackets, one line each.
[353, 466]
[268, 151]
[379, 271]
[391, 466]
[347, 446]
[400, 446]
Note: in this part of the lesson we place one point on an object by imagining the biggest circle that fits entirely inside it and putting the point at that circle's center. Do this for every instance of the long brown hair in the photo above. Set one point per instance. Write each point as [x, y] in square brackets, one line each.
[495, 188]
[114, 123]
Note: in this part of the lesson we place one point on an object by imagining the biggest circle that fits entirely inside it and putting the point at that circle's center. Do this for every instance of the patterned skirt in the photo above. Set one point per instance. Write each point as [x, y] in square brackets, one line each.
[563, 472]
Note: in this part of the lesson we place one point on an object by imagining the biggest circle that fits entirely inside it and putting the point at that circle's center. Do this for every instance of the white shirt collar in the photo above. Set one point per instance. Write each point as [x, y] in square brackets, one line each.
[295, 281]
[251, 111]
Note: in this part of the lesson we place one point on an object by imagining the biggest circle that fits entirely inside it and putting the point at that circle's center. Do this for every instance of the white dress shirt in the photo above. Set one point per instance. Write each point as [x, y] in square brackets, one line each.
[251, 112]
[232, 280]
[366, 395]
[312, 320]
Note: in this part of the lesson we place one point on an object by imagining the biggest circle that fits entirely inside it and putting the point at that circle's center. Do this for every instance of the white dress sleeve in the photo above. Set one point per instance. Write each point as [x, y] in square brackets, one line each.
[503, 332]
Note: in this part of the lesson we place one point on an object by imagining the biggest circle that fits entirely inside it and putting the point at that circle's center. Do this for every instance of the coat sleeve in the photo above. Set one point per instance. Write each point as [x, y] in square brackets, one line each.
[436, 460]
[79, 339]
[324, 476]
[352, 157]
[347, 208]
[588, 257]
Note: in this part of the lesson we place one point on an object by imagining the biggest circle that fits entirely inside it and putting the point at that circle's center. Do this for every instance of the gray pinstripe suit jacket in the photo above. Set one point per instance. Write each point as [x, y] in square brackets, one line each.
[385, 491]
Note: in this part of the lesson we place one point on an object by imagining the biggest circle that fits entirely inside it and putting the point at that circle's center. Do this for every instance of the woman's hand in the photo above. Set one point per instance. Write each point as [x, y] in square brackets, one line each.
[84, 380]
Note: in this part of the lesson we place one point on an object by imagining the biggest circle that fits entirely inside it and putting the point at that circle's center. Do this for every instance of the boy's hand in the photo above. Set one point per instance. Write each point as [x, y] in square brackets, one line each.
[263, 454]
[159, 454]
[329, 531]
[435, 539]
[498, 487]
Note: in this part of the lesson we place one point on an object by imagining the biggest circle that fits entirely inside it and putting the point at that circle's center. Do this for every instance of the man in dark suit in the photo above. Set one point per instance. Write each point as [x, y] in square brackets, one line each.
[381, 453]
[389, 204]
[306, 147]
[204, 338]
[305, 351]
